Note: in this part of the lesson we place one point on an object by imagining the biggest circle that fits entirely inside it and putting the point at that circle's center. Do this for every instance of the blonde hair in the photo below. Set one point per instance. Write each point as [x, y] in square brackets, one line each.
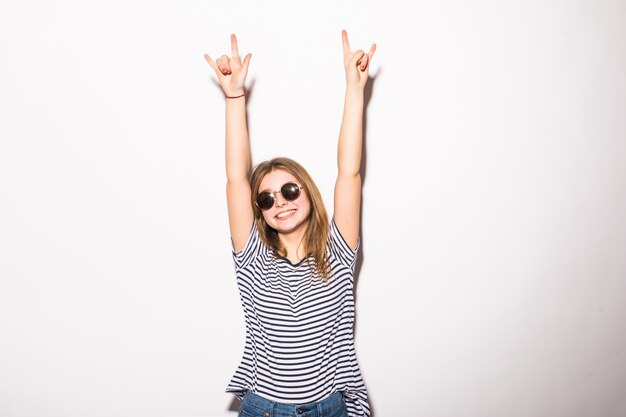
[316, 224]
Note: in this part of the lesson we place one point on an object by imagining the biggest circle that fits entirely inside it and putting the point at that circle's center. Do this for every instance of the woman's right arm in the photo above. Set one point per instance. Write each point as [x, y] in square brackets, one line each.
[231, 73]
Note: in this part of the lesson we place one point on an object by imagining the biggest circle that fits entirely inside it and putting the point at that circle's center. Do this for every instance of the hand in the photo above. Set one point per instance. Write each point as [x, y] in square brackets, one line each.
[356, 63]
[230, 71]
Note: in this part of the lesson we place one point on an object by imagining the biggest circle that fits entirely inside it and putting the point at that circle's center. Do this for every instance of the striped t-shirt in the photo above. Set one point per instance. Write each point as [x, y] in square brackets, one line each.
[299, 341]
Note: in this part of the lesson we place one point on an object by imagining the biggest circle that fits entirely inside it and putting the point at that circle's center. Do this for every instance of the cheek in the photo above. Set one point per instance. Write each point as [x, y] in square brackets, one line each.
[306, 206]
[266, 216]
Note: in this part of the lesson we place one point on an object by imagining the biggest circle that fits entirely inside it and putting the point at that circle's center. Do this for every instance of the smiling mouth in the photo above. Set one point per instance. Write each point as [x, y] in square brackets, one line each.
[285, 213]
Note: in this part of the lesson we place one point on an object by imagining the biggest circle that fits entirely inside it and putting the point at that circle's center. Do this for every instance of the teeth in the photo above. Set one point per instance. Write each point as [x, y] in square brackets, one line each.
[285, 213]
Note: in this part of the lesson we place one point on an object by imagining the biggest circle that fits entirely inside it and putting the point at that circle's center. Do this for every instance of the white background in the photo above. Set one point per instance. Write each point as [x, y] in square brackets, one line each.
[493, 273]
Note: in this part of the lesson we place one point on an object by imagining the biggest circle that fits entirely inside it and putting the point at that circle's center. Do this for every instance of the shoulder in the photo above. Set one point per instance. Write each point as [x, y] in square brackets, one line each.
[252, 249]
[338, 247]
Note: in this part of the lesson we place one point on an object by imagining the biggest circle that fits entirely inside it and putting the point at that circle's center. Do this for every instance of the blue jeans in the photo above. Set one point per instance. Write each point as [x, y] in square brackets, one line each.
[256, 406]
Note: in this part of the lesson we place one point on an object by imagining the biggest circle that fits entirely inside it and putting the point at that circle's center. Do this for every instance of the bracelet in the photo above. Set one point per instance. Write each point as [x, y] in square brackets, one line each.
[244, 93]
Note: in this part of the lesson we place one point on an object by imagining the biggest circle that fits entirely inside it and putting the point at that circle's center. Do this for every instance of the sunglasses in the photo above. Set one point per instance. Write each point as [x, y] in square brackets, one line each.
[266, 199]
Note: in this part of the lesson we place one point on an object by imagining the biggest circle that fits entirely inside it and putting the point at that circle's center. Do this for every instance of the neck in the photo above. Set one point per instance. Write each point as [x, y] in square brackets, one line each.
[294, 244]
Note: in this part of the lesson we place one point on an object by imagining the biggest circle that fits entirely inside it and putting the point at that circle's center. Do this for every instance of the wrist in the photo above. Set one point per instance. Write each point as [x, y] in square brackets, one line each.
[354, 88]
[236, 92]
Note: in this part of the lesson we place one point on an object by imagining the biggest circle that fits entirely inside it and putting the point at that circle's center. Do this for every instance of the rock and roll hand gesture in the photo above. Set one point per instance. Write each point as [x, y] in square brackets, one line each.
[230, 71]
[356, 63]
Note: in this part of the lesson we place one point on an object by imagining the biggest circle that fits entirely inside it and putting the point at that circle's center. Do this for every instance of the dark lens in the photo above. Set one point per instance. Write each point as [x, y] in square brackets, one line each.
[265, 200]
[290, 191]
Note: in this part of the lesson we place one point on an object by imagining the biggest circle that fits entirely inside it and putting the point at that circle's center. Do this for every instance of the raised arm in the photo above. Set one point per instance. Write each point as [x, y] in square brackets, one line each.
[348, 185]
[231, 73]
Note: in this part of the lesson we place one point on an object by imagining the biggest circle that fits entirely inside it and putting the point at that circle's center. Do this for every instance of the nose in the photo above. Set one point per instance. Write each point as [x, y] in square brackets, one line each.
[280, 200]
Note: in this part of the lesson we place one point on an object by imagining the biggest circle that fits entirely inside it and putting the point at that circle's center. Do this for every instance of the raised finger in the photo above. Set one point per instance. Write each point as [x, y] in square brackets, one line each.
[372, 50]
[344, 42]
[234, 49]
[211, 62]
[246, 63]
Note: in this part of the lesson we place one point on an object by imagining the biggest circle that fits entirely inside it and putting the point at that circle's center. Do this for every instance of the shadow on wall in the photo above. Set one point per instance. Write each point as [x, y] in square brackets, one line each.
[369, 89]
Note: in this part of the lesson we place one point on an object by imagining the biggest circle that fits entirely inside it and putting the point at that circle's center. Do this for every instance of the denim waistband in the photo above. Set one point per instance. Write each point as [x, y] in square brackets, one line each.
[267, 408]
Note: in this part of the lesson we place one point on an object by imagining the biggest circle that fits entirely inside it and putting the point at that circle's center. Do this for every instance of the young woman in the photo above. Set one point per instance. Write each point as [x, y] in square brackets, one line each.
[294, 268]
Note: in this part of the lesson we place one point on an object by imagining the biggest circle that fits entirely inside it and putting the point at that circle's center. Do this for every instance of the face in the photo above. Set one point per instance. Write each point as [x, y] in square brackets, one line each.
[285, 216]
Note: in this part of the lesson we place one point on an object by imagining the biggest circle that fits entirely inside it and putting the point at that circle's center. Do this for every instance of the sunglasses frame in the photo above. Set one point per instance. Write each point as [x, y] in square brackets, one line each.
[273, 195]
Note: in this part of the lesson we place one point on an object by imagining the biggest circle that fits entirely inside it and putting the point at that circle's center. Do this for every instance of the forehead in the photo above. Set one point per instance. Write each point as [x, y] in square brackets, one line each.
[275, 179]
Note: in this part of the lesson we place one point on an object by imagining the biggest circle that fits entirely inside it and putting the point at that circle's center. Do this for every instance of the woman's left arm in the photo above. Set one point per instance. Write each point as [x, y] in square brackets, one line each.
[348, 186]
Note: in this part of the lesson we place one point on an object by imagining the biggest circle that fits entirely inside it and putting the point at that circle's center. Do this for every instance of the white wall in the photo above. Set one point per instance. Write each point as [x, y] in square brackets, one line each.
[493, 280]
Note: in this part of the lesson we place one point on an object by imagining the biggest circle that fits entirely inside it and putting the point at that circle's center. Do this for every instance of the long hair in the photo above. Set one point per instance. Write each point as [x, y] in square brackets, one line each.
[316, 224]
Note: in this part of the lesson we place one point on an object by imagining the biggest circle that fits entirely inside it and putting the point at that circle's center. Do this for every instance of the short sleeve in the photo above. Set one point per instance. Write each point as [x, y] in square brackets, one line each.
[340, 249]
[250, 251]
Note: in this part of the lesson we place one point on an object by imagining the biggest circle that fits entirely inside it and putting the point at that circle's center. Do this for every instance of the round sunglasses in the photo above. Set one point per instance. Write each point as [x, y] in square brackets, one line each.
[290, 191]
